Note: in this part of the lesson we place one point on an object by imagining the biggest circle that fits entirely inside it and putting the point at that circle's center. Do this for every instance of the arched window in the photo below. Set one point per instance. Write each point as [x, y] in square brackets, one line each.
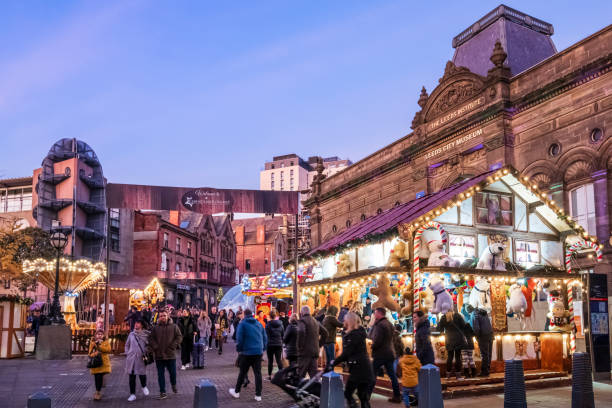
[334, 229]
[348, 223]
[379, 211]
[363, 217]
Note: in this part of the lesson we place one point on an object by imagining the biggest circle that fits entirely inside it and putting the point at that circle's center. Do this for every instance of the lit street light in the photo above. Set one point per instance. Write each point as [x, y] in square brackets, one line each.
[59, 241]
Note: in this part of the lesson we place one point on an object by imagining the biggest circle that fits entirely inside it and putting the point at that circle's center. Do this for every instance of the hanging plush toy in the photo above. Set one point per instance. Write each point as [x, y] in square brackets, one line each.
[560, 318]
[437, 256]
[443, 302]
[493, 257]
[385, 294]
[516, 304]
[408, 298]
[480, 296]
[427, 300]
[344, 265]
[397, 254]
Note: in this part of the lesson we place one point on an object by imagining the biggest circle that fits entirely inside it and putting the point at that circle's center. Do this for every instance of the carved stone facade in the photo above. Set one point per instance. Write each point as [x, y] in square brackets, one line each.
[552, 122]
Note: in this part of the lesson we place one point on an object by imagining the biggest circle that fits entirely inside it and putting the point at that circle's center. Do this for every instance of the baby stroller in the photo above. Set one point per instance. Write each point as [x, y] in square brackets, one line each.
[305, 392]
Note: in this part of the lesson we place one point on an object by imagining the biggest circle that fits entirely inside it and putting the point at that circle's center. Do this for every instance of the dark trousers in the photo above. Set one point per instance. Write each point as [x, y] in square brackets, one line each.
[274, 352]
[307, 365]
[486, 348]
[363, 393]
[388, 365]
[456, 354]
[98, 380]
[330, 351]
[143, 382]
[219, 344]
[162, 365]
[246, 362]
[186, 349]
[292, 360]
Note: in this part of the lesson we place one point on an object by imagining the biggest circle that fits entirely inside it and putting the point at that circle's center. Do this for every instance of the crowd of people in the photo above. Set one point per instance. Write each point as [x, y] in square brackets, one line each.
[296, 340]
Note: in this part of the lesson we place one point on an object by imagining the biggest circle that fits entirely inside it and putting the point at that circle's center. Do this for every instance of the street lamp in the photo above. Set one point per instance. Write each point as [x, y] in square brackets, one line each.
[59, 241]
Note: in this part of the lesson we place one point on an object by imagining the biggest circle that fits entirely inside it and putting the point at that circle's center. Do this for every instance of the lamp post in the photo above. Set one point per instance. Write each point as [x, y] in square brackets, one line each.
[59, 241]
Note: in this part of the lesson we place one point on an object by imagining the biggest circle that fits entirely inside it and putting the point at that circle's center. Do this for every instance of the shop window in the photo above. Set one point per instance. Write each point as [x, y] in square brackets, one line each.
[461, 247]
[493, 208]
[582, 207]
[527, 253]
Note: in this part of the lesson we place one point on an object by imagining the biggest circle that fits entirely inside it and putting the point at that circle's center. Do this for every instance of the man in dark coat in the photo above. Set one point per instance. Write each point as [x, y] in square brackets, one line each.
[132, 317]
[484, 334]
[309, 336]
[422, 340]
[163, 342]
[382, 350]
[330, 324]
[274, 331]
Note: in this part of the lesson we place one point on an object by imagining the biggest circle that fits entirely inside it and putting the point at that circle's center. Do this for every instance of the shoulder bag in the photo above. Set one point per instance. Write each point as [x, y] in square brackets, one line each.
[147, 358]
[95, 361]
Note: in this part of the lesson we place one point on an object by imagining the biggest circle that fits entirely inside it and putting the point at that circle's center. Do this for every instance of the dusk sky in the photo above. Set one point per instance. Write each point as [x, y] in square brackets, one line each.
[202, 93]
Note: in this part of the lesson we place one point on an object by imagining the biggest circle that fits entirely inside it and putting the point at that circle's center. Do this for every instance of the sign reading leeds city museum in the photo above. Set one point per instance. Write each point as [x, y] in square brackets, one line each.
[203, 200]
[454, 144]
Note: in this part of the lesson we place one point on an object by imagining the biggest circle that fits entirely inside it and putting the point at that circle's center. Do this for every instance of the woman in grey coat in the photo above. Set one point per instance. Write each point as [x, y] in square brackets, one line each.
[135, 346]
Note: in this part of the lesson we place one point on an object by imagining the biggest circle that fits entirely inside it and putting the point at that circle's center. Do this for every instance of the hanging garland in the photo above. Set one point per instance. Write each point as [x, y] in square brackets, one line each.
[280, 279]
[582, 244]
[16, 299]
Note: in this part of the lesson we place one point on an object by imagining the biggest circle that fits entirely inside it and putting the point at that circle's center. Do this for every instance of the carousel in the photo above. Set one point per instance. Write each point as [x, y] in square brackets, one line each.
[493, 242]
[74, 278]
[269, 290]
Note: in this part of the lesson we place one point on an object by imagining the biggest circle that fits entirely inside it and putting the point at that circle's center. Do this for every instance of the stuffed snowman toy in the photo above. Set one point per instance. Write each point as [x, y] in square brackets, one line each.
[493, 257]
[480, 296]
[517, 304]
[443, 301]
[437, 256]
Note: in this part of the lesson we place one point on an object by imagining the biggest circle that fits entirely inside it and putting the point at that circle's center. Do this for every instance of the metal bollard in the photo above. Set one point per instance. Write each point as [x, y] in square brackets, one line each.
[514, 384]
[582, 381]
[205, 395]
[332, 394]
[430, 387]
[39, 400]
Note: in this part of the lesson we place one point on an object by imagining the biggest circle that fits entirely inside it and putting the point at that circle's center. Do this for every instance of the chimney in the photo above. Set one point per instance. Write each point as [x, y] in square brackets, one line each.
[239, 234]
[261, 234]
[174, 217]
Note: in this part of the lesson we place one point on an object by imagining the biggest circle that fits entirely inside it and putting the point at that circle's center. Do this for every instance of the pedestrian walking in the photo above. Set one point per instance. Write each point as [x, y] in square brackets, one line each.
[188, 328]
[261, 318]
[309, 335]
[290, 340]
[408, 372]
[382, 350]
[484, 335]
[230, 327]
[204, 328]
[164, 340]
[451, 324]
[331, 324]
[132, 317]
[251, 341]
[355, 354]
[284, 319]
[99, 346]
[422, 340]
[221, 327]
[135, 346]
[467, 353]
[274, 331]
[236, 322]
[213, 318]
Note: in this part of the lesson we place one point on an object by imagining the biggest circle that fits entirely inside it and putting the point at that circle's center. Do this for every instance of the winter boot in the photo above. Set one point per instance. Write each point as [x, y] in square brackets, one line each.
[473, 372]
[97, 396]
[466, 372]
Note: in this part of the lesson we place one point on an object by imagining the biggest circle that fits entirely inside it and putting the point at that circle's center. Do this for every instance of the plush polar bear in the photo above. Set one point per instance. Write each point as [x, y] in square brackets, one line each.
[437, 256]
[480, 296]
[517, 303]
[443, 301]
[427, 300]
[493, 257]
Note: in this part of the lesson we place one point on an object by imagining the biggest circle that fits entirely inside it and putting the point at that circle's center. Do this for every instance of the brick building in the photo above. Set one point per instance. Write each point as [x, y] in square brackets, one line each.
[519, 102]
[192, 254]
[260, 245]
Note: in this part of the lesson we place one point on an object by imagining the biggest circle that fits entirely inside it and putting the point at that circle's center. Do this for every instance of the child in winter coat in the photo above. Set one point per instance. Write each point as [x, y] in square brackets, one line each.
[99, 345]
[408, 372]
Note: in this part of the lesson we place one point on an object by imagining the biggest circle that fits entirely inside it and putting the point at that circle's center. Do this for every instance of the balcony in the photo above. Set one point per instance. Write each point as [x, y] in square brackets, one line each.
[54, 204]
[91, 181]
[91, 208]
[88, 233]
[54, 178]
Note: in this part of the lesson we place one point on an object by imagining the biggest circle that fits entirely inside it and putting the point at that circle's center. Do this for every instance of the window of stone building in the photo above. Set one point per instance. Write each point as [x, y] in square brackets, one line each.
[114, 240]
[189, 248]
[379, 211]
[189, 268]
[165, 240]
[397, 203]
[363, 217]
[247, 264]
[178, 245]
[334, 228]
[265, 261]
[272, 166]
[596, 135]
[177, 267]
[554, 149]
[280, 249]
[15, 200]
[348, 223]
[582, 207]
[272, 185]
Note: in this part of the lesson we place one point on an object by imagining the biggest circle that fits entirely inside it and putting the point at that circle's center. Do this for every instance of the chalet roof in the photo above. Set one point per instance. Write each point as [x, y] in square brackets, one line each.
[412, 210]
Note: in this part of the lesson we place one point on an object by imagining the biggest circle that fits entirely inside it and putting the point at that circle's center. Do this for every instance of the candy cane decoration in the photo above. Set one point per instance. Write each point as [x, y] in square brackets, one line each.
[416, 270]
[570, 304]
[580, 245]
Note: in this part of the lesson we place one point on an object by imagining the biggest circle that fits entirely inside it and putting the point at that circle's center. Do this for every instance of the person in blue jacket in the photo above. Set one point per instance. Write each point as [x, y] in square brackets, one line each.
[251, 342]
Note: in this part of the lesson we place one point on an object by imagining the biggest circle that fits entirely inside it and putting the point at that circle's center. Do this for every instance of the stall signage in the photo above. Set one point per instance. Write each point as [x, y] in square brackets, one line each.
[454, 144]
[456, 113]
[183, 287]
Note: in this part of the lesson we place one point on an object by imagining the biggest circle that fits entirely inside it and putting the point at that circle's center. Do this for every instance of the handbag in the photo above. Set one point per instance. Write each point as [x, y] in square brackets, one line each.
[147, 358]
[95, 361]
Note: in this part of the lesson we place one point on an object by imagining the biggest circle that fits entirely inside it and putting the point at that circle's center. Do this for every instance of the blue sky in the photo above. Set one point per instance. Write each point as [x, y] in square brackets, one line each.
[202, 93]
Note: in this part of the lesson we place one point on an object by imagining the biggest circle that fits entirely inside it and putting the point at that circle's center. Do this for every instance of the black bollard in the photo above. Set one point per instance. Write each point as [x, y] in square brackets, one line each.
[582, 381]
[39, 400]
[514, 384]
[205, 395]
[430, 387]
[332, 395]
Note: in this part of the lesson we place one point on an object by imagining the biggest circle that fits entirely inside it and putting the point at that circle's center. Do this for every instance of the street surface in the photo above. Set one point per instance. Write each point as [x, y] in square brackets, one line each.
[69, 384]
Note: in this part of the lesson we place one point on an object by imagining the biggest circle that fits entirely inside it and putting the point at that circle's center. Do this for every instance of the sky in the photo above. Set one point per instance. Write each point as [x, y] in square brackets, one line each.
[203, 93]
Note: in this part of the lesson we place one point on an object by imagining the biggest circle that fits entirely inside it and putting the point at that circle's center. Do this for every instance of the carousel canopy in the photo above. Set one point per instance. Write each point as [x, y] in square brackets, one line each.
[74, 276]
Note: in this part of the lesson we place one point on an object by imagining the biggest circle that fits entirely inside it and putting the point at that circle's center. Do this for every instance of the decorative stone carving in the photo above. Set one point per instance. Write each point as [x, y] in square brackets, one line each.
[417, 120]
[541, 180]
[499, 55]
[455, 94]
[423, 98]
[419, 174]
[450, 70]
[578, 170]
[494, 142]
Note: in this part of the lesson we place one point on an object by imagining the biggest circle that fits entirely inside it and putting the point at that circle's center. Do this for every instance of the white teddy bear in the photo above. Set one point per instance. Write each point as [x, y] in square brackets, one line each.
[517, 303]
[493, 257]
[443, 301]
[437, 256]
[480, 296]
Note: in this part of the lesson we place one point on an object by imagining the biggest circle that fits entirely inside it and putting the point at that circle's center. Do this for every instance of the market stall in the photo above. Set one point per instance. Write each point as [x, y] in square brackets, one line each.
[492, 242]
[274, 290]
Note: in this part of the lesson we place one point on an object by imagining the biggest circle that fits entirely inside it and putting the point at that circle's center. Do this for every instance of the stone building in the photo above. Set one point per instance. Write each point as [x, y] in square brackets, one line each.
[260, 245]
[507, 97]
